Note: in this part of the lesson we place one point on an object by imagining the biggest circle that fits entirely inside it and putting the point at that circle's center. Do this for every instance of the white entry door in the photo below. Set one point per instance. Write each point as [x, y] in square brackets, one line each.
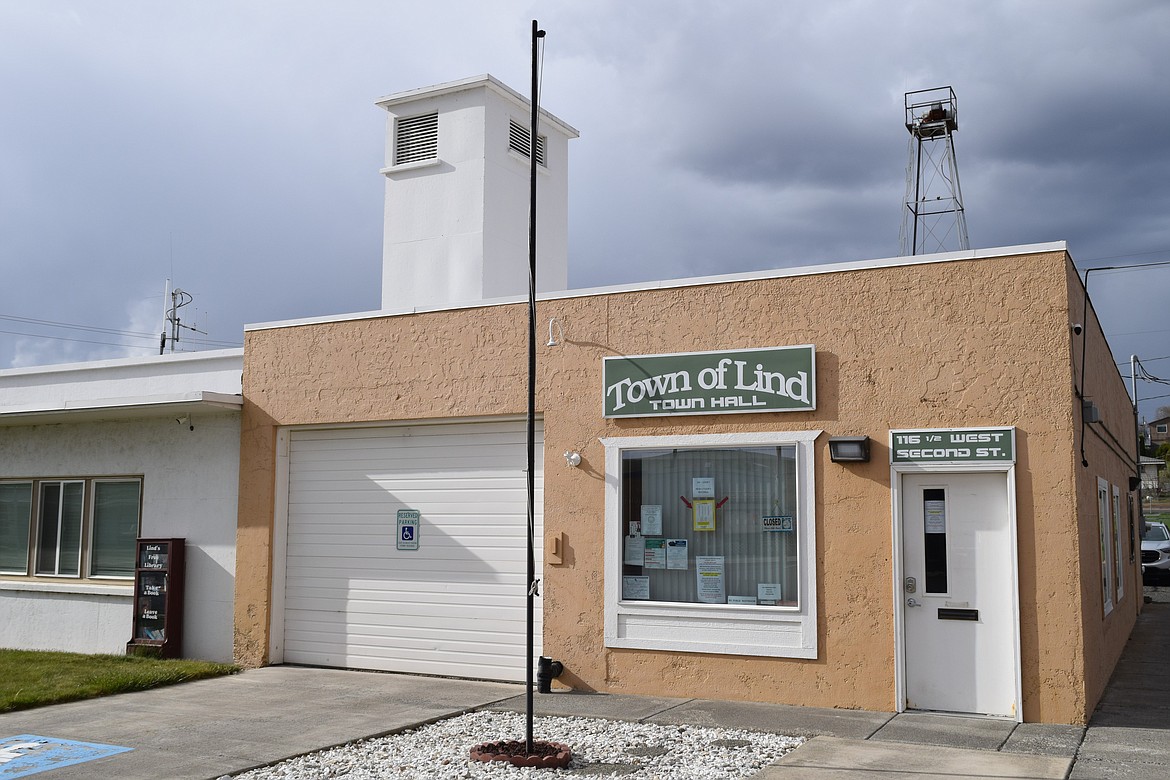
[958, 594]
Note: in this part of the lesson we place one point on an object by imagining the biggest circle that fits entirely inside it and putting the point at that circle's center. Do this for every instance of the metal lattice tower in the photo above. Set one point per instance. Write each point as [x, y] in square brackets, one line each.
[932, 219]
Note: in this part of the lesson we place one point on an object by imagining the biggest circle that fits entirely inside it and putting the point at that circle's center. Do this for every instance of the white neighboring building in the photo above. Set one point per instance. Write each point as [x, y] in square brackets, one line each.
[77, 443]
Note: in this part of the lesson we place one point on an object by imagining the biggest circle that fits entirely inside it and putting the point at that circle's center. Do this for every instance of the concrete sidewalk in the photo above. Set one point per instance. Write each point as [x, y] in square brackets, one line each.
[215, 727]
[210, 728]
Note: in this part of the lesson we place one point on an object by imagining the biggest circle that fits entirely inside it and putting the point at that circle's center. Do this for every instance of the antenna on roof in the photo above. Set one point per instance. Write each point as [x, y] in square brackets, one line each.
[933, 219]
[174, 300]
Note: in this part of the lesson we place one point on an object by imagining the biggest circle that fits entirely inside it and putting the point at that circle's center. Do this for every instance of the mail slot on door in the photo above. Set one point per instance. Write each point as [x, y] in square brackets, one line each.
[948, 613]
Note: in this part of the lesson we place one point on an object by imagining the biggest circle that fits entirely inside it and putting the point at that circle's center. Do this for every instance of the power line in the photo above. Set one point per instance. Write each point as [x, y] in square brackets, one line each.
[79, 341]
[203, 342]
[1131, 254]
[96, 329]
[1142, 360]
[72, 326]
[1133, 267]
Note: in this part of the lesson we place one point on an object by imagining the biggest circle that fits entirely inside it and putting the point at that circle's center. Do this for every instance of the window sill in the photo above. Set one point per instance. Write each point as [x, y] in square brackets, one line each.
[410, 166]
[714, 629]
[86, 588]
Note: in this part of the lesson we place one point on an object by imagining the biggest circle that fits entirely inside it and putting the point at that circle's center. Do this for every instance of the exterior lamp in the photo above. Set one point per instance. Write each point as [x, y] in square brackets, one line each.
[849, 449]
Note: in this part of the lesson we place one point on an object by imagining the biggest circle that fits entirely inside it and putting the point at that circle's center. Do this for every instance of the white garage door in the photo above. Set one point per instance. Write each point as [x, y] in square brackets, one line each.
[456, 605]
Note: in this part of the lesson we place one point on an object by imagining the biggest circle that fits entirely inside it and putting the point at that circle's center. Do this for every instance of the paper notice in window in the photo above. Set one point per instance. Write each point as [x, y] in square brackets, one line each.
[704, 514]
[936, 516]
[655, 553]
[768, 593]
[709, 575]
[635, 587]
[652, 519]
[676, 554]
[635, 551]
[703, 487]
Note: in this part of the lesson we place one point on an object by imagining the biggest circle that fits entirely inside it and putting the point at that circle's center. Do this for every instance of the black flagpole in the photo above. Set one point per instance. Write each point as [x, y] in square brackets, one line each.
[533, 583]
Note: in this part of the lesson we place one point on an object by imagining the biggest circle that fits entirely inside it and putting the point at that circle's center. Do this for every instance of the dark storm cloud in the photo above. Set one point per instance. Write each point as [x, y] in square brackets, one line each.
[236, 147]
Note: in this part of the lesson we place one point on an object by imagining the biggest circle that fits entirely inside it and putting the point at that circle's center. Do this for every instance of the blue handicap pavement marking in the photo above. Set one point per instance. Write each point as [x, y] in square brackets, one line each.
[28, 754]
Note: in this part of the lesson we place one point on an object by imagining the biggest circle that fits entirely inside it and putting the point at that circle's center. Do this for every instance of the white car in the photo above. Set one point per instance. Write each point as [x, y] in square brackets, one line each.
[1156, 548]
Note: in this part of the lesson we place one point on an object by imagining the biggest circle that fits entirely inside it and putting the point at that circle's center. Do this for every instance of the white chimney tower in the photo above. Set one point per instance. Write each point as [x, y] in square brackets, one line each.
[457, 195]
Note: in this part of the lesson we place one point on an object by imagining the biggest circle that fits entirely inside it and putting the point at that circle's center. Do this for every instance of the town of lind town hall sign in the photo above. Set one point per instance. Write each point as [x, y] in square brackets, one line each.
[772, 379]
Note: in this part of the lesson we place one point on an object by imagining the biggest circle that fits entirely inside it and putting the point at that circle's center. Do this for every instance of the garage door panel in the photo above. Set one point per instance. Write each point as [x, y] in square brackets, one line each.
[489, 616]
[488, 597]
[488, 550]
[430, 665]
[334, 628]
[340, 540]
[455, 585]
[456, 606]
[366, 568]
[406, 648]
[446, 501]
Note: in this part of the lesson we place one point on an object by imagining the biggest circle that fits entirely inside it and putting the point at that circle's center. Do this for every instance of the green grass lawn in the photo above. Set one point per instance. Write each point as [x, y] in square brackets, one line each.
[33, 678]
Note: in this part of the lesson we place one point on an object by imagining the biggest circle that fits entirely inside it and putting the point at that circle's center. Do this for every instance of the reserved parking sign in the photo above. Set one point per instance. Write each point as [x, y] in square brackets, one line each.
[408, 526]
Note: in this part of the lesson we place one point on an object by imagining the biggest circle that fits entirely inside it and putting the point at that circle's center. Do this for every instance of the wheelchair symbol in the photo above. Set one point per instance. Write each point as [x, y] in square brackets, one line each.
[408, 533]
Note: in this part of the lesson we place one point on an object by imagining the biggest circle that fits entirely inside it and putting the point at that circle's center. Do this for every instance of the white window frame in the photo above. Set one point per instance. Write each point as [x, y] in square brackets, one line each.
[91, 518]
[1104, 525]
[85, 551]
[782, 632]
[38, 542]
[29, 526]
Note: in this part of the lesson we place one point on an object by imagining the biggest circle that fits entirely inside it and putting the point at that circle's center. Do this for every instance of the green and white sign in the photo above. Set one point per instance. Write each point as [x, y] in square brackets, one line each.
[953, 445]
[773, 379]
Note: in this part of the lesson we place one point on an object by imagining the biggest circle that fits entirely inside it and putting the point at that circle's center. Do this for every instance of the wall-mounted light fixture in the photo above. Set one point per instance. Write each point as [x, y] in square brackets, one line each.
[1089, 411]
[849, 449]
[572, 458]
[552, 342]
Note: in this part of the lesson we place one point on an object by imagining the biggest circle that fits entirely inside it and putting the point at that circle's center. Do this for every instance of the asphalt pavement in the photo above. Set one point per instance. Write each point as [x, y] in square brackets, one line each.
[211, 728]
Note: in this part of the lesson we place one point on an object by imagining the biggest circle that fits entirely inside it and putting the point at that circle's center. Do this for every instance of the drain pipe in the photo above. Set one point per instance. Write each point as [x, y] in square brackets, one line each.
[547, 670]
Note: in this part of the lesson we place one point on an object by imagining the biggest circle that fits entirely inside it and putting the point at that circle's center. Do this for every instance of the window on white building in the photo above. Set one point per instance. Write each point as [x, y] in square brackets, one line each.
[709, 544]
[115, 527]
[69, 527]
[15, 514]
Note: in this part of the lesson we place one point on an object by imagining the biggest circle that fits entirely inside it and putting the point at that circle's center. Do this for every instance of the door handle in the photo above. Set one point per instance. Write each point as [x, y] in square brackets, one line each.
[912, 603]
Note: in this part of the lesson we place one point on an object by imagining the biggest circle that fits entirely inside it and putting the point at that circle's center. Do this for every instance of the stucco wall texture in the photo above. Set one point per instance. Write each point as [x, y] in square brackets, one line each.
[981, 342]
[1106, 445]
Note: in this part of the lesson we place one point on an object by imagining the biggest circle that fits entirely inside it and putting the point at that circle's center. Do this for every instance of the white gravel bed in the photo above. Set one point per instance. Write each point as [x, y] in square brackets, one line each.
[601, 749]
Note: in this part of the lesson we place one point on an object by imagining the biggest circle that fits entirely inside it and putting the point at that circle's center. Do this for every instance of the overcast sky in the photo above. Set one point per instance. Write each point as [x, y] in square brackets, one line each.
[234, 147]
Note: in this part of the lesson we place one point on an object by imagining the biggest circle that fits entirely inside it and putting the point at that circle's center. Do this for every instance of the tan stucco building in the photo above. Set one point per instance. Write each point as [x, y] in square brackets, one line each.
[807, 599]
